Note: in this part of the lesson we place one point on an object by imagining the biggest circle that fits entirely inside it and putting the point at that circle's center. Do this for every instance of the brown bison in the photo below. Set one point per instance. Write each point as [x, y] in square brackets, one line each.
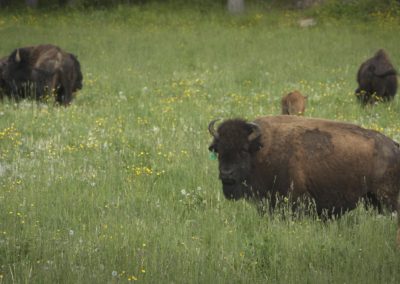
[377, 79]
[2, 82]
[38, 71]
[293, 103]
[335, 164]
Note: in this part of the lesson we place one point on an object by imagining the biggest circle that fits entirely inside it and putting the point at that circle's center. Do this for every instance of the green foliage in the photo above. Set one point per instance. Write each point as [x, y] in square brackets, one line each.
[359, 9]
[119, 186]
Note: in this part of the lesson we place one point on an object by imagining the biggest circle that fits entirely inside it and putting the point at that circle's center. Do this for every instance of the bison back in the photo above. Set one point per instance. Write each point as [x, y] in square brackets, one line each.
[334, 163]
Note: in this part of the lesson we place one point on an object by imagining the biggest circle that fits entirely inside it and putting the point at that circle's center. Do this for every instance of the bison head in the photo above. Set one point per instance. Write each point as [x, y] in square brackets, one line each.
[235, 142]
[16, 71]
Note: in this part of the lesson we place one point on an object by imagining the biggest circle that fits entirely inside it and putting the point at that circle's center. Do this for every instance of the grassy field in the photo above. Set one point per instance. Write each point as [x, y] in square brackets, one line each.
[119, 186]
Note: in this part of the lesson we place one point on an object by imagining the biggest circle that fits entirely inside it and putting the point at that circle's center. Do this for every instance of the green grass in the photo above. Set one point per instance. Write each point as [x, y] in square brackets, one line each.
[119, 186]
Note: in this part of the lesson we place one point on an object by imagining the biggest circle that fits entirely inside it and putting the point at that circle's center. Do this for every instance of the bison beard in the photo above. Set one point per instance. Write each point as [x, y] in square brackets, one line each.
[39, 71]
[334, 164]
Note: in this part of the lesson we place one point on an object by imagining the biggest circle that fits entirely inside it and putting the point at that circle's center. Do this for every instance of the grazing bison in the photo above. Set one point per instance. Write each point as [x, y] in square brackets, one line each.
[38, 71]
[293, 103]
[333, 163]
[377, 79]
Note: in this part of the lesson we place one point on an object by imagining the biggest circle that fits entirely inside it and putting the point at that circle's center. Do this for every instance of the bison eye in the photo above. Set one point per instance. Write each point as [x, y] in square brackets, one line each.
[212, 148]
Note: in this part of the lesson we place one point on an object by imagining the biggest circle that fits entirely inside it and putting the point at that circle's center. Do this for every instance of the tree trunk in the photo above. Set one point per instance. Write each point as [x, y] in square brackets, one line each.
[235, 6]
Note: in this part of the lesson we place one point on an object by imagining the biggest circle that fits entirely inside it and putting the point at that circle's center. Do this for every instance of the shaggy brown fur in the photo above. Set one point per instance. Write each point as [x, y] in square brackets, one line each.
[335, 164]
[37, 71]
[377, 79]
[294, 103]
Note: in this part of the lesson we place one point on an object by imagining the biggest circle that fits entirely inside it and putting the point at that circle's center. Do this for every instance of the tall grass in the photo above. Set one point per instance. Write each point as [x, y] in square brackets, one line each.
[118, 187]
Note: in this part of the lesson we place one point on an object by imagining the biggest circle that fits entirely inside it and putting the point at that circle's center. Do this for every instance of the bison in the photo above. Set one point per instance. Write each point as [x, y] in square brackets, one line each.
[293, 103]
[38, 71]
[377, 79]
[2, 82]
[335, 164]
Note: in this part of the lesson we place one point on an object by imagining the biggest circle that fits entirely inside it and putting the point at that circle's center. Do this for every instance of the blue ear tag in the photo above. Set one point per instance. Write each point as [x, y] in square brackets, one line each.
[213, 156]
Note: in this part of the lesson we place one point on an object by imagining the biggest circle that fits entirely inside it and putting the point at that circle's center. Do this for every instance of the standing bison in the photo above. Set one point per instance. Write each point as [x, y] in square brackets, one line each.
[39, 71]
[377, 79]
[293, 103]
[335, 164]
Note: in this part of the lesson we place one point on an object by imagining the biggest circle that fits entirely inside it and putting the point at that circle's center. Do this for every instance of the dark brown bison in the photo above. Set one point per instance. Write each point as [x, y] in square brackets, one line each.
[2, 82]
[38, 71]
[377, 79]
[293, 103]
[335, 164]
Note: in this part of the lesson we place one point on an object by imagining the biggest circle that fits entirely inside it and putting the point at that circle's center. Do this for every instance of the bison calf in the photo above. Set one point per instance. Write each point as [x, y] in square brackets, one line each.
[377, 79]
[293, 103]
[37, 71]
[336, 164]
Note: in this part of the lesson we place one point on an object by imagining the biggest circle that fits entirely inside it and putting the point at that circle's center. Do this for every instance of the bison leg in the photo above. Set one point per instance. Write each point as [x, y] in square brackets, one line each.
[391, 87]
[39, 90]
[64, 93]
[371, 200]
[64, 96]
[41, 85]
[380, 91]
[363, 96]
[398, 221]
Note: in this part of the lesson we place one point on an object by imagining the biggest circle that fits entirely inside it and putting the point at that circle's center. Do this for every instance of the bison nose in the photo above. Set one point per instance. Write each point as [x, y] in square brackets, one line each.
[226, 172]
[226, 176]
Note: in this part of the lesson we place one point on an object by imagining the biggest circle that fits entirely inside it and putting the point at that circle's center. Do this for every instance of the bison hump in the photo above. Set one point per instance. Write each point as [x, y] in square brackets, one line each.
[382, 66]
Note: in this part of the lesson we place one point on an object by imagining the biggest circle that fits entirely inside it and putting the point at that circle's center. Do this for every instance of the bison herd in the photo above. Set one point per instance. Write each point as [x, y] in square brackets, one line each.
[333, 164]
[376, 78]
[40, 72]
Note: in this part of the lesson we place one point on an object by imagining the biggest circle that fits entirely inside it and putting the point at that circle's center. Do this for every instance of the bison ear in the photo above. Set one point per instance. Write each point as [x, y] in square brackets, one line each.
[254, 131]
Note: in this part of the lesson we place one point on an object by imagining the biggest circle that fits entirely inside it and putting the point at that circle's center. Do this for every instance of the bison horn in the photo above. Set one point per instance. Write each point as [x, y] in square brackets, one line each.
[256, 131]
[17, 56]
[211, 128]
